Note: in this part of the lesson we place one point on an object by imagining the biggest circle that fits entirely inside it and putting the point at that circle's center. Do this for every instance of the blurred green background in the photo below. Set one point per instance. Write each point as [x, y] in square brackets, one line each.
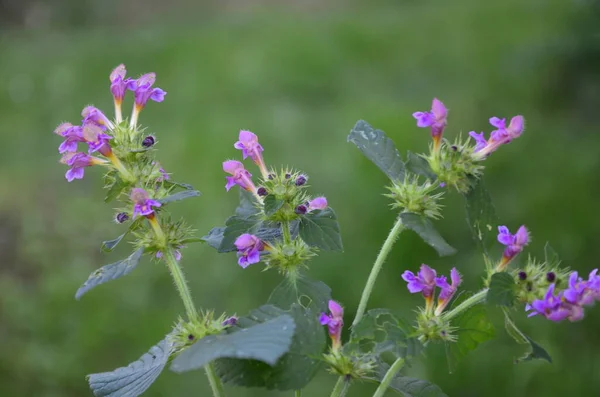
[299, 74]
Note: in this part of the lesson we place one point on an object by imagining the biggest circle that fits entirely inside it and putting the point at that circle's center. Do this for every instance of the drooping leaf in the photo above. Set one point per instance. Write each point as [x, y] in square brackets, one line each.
[265, 341]
[115, 189]
[182, 195]
[214, 237]
[551, 256]
[133, 380]
[502, 290]
[378, 148]
[185, 186]
[321, 229]
[247, 206]
[481, 215]
[408, 387]
[424, 228]
[535, 351]
[308, 293]
[109, 245]
[473, 328]
[295, 369]
[110, 272]
[419, 166]
[381, 331]
[272, 204]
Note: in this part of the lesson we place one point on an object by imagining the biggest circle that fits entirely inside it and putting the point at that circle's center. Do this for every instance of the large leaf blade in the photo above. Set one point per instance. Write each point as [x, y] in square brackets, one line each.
[481, 215]
[321, 229]
[425, 229]
[535, 351]
[302, 290]
[502, 290]
[182, 195]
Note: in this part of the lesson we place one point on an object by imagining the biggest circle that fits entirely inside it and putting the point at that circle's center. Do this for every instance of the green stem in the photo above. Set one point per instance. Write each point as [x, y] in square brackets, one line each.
[388, 377]
[178, 277]
[383, 253]
[466, 304]
[340, 388]
[285, 230]
[298, 393]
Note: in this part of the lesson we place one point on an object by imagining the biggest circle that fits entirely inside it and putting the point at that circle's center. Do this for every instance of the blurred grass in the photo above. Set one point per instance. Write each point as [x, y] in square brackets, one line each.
[300, 80]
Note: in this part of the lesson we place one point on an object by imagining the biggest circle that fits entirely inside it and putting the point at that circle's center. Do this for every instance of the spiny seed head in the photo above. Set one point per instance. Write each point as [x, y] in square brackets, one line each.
[412, 196]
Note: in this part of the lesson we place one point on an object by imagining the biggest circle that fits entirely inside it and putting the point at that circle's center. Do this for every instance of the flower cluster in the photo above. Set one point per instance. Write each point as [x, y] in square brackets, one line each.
[426, 281]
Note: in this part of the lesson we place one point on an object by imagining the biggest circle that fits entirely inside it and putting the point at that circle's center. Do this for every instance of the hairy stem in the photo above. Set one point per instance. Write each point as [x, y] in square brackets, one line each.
[285, 230]
[298, 393]
[466, 304]
[388, 377]
[383, 253]
[341, 387]
[215, 382]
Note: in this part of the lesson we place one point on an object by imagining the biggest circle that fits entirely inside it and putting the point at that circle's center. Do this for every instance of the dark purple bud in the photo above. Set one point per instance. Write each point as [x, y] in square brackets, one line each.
[301, 209]
[288, 176]
[301, 180]
[191, 337]
[271, 177]
[550, 276]
[148, 141]
[522, 276]
[261, 191]
[122, 217]
[230, 322]
[454, 148]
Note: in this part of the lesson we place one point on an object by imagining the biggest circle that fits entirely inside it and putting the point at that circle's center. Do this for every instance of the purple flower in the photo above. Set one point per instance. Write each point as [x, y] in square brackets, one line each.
[230, 322]
[249, 248]
[241, 176]
[436, 119]
[144, 91]
[143, 204]
[447, 290]
[176, 253]
[248, 144]
[118, 83]
[318, 203]
[96, 139]
[94, 115]
[423, 282]
[583, 292]
[500, 136]
[78, 162]
[514, 244]
[334, 322]
[550, 307]
[480, 141]
[72, 134]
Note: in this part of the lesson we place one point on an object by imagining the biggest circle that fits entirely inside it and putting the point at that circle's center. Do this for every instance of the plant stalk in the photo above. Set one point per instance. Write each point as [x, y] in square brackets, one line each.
[285, 231]
[298, 393]
[388, 377]
[466, 304]
[341, 387]
[383, 254]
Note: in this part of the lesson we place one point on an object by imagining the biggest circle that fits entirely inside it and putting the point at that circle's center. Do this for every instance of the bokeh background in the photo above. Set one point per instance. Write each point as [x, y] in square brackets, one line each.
[298, 73]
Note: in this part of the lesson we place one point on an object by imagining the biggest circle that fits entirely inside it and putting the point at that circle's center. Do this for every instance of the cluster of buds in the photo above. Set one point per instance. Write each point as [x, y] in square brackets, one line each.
[454, 163]
[430, 323]
[280, 198]
[186, 333]
[418, 198]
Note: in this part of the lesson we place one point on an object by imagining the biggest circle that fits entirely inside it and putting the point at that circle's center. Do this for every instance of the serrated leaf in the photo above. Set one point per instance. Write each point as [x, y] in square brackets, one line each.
[481, 215]
[136, 378]
[110, 272]
[214, 237]
[382, 331]
[502, 290]
[425, 229]
[247, 206]
[473, 328]
[184, 194]
[321, 229]
[408, 387]
[419, 166]
[378, 148]
[302, 290]
[294, 370]
[535, 350]
[272, 204]
[235, 226]
[551, 256]
[263, 341]
[115, 189]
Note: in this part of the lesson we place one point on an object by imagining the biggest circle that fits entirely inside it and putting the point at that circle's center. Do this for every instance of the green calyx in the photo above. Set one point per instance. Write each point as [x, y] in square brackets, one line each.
[412, 196]
[350, 366]
[455, 165]
[434, 328]
[289, 258]
[176, 234]
[186, 333]
[533, 280]
[283, 195]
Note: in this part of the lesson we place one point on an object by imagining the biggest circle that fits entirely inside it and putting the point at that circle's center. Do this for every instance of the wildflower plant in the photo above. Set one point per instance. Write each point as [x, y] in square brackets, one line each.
[280, 225]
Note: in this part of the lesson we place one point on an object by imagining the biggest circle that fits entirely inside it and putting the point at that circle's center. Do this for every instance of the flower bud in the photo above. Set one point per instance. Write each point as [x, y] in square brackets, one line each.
[122, 217]
[301, 180]
[148, 141]
[301, 209]
[262, 191]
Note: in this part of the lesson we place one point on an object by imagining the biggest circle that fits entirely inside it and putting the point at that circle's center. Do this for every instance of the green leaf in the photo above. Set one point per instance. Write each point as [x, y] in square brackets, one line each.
[552, 258]
[179, 196]
[408, 387]
[264, 341]
[302, 290]
[272, 204]
[109, 245]
[502, 290]
[247, 206]
[235, 226]
[378, 148]
[382, 331]
[424, 228]
[535, 351]
[185, 186]
[481, 215]
[473, 328]
[133, 380]
[321, 229]
[115, 189]
[110, 272]
[295, 369]
[214, 238]
[419, 166]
